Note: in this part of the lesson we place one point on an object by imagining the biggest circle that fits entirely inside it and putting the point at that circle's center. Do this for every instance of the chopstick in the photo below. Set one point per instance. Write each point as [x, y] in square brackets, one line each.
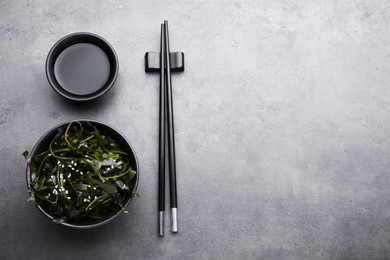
[166, 106]
[171, 134]
[161, 165]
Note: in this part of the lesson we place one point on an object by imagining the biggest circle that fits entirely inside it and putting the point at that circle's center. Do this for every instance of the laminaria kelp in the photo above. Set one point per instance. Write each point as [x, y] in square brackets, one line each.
[83, 176]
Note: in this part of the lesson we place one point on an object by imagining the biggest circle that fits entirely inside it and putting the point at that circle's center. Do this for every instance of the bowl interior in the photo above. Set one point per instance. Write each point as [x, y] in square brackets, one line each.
[43, 145]
[73, 39]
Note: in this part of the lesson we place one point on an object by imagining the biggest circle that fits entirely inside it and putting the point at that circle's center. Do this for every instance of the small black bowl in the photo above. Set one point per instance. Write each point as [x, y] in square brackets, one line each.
[82, 66]
[43, 145]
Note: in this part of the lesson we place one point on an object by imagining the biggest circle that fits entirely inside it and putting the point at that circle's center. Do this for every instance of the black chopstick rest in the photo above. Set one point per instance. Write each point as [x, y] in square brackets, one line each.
[152, 61]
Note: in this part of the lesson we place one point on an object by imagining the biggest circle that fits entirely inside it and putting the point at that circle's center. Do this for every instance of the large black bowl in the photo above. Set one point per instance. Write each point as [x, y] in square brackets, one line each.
[43, 145]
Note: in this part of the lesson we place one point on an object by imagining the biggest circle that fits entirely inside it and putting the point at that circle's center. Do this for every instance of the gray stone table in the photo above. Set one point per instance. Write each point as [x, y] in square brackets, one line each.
[282, 123]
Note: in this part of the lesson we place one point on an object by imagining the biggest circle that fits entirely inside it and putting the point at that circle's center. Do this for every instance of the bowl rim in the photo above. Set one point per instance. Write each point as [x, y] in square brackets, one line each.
[86, 226]
[75, 97]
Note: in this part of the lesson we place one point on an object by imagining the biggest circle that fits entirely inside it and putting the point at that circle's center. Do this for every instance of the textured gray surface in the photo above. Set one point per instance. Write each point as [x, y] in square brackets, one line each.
[282, 127]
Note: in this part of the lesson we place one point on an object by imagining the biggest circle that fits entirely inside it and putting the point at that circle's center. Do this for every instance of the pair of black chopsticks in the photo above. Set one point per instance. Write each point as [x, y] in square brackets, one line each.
[166, 107]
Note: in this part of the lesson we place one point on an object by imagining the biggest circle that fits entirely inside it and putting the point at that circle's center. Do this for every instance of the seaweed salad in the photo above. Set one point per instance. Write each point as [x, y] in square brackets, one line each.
[84, 175]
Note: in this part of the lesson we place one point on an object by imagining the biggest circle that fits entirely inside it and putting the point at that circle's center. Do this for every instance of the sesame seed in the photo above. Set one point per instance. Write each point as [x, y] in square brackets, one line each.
[95, 197]
[69, 198]
[63, 166]
[72, 168]
[66, 191]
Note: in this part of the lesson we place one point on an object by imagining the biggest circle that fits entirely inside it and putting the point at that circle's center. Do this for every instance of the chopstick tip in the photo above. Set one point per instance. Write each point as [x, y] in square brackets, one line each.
[161, 223]
[174, 220]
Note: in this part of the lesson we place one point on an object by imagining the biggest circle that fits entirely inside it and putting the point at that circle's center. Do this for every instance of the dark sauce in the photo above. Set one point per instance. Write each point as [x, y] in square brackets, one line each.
[82, 68]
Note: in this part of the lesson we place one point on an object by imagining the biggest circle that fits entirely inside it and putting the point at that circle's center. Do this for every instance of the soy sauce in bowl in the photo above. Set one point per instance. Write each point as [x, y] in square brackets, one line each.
[81, 66]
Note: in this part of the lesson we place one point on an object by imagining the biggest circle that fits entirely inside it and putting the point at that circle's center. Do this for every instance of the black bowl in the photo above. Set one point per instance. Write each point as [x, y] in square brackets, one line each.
[43, 145]
[82, 66]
